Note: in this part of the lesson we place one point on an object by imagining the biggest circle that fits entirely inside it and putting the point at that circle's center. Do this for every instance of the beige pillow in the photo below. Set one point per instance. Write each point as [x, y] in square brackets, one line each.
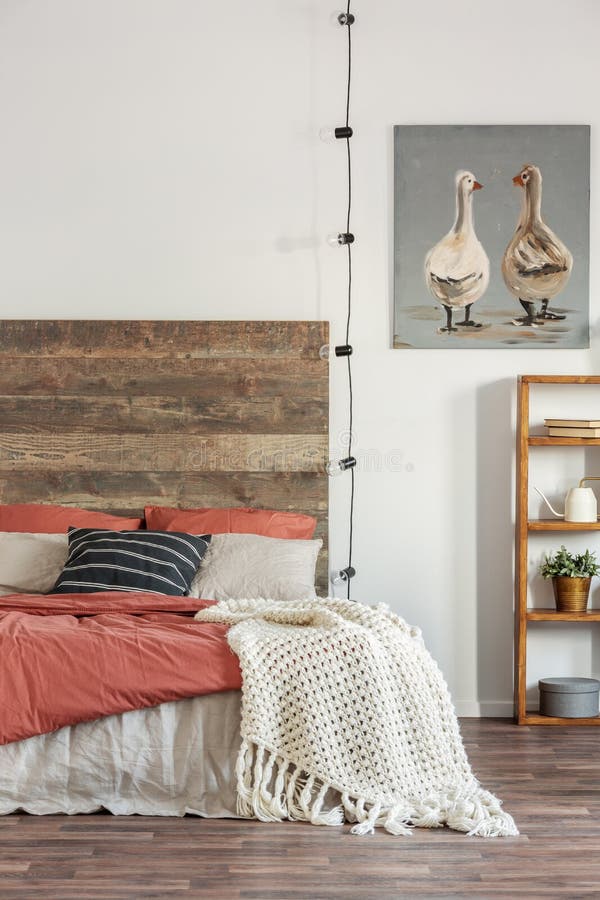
[31, 563]
[242, 566]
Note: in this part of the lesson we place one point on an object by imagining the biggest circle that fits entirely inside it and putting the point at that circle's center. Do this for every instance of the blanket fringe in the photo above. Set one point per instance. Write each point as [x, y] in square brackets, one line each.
[480, 813]
[271, 788]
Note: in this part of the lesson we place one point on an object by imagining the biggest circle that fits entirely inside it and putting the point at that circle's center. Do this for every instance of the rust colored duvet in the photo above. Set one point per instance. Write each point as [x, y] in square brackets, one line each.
[69, 658]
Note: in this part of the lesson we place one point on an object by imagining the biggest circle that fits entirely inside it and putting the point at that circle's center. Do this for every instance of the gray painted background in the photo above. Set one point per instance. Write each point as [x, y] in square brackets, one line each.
[426, 158]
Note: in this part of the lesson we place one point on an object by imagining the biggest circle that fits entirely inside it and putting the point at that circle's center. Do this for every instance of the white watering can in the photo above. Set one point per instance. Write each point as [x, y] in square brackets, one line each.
[580, 503]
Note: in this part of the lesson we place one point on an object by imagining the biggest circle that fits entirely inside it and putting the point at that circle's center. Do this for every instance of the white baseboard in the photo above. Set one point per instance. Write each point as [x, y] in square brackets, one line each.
[473, 709]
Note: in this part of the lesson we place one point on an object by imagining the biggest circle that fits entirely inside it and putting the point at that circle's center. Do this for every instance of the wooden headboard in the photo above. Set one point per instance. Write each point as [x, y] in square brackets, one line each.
[114, 415]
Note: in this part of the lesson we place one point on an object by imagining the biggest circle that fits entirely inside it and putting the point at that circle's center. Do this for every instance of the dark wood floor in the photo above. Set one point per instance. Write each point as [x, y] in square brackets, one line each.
[549, 779]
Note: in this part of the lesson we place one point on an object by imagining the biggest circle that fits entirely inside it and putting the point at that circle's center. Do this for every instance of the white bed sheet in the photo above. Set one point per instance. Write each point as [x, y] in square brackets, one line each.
[169, 760]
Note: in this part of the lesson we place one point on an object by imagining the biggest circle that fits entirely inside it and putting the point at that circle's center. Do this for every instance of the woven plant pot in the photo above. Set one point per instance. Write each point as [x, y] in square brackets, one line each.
[571, 594]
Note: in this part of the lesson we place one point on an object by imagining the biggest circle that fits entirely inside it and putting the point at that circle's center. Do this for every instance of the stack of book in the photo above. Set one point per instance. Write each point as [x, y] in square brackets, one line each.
[581, 428]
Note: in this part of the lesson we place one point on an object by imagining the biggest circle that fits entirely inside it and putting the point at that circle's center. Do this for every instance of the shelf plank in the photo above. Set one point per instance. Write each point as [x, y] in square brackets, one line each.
[534, 718]
[560, 379]
[548, 614]
[539, 440]
[561, 525]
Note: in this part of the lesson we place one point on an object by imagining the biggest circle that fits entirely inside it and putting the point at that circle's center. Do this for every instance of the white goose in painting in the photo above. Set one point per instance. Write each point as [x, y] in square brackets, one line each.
[457, 270]
[536, 264]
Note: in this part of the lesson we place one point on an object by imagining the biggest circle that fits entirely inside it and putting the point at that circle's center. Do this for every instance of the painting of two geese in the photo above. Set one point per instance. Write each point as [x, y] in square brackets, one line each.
[491, 236]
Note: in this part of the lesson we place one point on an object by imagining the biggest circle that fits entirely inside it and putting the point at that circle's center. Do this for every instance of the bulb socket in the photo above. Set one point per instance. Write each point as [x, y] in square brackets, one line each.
[346, 19]
[343, 131]
[344, 350]
[346, 237]
[347, 463]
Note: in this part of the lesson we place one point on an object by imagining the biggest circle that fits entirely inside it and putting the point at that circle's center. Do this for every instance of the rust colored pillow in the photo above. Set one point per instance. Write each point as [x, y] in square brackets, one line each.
[236, 520]
[45, 518]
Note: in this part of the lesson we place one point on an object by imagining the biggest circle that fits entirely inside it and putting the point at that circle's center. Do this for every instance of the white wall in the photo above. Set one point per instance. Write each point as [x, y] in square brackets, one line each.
[159, 158]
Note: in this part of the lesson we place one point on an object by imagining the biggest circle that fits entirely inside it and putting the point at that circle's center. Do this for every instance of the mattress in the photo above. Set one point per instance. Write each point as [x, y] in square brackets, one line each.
[167, 760]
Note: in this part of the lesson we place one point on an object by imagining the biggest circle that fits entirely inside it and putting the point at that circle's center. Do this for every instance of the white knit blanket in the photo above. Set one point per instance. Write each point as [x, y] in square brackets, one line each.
[345, 696]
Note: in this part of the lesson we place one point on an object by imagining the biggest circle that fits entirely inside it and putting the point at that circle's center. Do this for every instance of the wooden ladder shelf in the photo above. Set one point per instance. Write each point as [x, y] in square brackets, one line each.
[525, 526]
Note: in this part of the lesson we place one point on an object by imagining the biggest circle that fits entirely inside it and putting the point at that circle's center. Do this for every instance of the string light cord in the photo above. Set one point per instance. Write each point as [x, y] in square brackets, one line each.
[346, 239]
[348, 27]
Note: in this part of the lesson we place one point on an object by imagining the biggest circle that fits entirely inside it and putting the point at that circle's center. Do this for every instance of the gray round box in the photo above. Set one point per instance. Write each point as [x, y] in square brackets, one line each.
[569, 698]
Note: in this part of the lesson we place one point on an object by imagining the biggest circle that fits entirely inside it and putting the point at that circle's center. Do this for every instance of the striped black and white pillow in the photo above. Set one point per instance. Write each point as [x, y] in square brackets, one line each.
[159, 562]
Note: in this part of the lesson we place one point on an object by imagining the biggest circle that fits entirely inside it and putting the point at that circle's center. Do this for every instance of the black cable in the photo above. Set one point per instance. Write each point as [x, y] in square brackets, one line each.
[349, 314]
[349, 64]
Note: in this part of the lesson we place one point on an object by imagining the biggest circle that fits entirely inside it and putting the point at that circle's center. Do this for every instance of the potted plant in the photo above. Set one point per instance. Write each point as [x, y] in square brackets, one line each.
[571, 576]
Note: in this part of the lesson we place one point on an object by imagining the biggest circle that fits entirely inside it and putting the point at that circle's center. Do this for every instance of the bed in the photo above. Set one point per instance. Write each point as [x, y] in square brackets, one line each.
[115, 416]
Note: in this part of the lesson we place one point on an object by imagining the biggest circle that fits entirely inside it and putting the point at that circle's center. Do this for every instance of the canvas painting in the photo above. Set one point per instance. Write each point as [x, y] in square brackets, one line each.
[491, 236]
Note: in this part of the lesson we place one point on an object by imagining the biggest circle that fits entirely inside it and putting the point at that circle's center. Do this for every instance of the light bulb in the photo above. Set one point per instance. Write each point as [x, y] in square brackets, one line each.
[343, 575]
[335, 467]
[329, 134]
[340, 238]
[324, 351]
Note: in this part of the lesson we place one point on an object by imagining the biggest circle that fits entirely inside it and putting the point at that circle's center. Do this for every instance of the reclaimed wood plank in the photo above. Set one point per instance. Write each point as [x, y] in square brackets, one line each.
[148, 415]
[201, 379]
[155, 339]
[93, 489]
[104, 452]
